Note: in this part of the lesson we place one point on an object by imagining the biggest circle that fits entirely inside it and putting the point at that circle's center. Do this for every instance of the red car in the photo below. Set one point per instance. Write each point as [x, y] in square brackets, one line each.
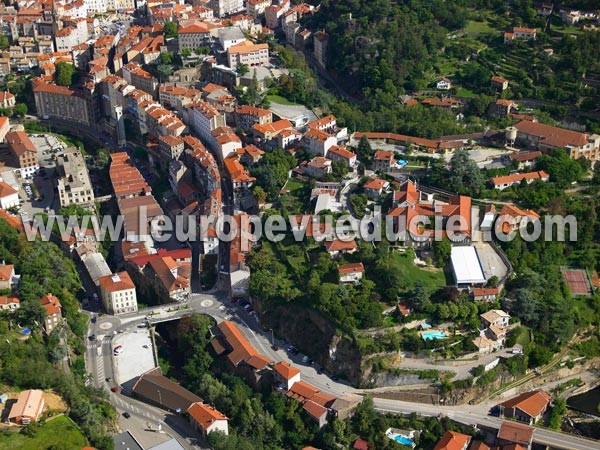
[114, 389]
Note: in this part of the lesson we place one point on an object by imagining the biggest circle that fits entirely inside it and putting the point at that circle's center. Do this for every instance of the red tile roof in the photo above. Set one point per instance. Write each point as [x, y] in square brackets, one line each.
[19, 142]
[117, 282]
[205, 415]
[552, 136]
[451, 440]
[351, 268]
[532, 403]
[51, 304]
[241, 348]
[517, 177]
[287, 371]
[515, 432]
[337, 245]
[6, 190]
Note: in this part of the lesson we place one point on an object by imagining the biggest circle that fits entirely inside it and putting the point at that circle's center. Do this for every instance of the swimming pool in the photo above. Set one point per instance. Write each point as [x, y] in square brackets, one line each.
[429, 335]
[404, 440]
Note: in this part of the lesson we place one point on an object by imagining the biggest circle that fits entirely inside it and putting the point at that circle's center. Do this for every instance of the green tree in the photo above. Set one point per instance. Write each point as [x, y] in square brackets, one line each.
[20, 110]
[464, 177]
[164, 71]
[64, 73]
[170, 29]
[442, 249]
[4, 42]
[259, 194]
[166, 58]
[242, 69]
[186, 53]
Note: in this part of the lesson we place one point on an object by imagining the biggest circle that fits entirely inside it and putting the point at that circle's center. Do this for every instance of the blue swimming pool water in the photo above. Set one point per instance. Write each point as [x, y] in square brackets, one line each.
[428, 335]
[403, 440]
[25, 331]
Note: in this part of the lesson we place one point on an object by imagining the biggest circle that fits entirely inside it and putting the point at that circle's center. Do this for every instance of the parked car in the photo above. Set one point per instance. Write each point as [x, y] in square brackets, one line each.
[126, 415]
[114, 389]
[118, 350]
[92, 337]
[305, 359]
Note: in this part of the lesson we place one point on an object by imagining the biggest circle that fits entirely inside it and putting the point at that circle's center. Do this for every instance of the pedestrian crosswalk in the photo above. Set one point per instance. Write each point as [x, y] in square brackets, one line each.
[98, 343]
[132, 407]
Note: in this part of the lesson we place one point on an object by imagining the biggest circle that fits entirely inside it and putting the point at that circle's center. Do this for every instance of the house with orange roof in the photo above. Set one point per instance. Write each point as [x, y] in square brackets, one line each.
[452, 440]
[8, 279]
[204, 118]
[513, 435]
[499, 82]
[315, 402]
[527, 407]
[512, 217]
[485, 294]
[506, 181]
[247, 116]
[169, 278]
[351, 273]
[52, 308]
[63, 103]
[503, 108]
[520, 33]
[342, 154]
[24, 153]
[266, 132]
[206, 419]
[375, 187]
[287, 138]
[7, 100]
[9, 302]
[319, 142]
[285, 374]
[256, 8]
[247, 53]
[337, 248]
[9, 196]
[412, 207]
[117, 292]
[193, 36]
[546, 137]
[4, 127]
[250, 154]
[240, 355]
[317, 167]
[28, 407]
[139, 78]
[383, 160]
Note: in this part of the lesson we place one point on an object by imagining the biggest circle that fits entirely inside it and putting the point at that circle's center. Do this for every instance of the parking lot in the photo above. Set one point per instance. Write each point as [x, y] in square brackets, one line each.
[136, 358]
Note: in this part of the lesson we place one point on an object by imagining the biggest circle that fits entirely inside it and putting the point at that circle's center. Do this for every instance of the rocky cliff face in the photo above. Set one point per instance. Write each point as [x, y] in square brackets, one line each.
[316, 336]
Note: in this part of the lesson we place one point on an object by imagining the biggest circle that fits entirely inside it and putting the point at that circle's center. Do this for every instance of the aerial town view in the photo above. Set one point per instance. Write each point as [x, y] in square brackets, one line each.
[300, 224]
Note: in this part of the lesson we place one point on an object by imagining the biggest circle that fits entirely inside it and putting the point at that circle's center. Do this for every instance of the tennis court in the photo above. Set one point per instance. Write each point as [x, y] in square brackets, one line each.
[578, 281]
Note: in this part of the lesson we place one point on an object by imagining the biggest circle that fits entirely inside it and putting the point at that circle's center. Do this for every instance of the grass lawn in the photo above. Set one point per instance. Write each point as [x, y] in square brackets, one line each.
[462, 92]
[60, 432]
[475, 27]
[433, 278]
[293, 184]
[280, 100]
[524, 337]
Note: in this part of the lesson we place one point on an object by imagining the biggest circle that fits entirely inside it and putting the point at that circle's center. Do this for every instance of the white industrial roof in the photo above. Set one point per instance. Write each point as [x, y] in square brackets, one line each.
[466, 266]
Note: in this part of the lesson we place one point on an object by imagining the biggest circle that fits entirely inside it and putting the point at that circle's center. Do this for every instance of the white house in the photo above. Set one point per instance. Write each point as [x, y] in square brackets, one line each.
[351, 273]
[206, 419]
[286, 374]
[118, 293]
[9, 197]
[444, 84]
